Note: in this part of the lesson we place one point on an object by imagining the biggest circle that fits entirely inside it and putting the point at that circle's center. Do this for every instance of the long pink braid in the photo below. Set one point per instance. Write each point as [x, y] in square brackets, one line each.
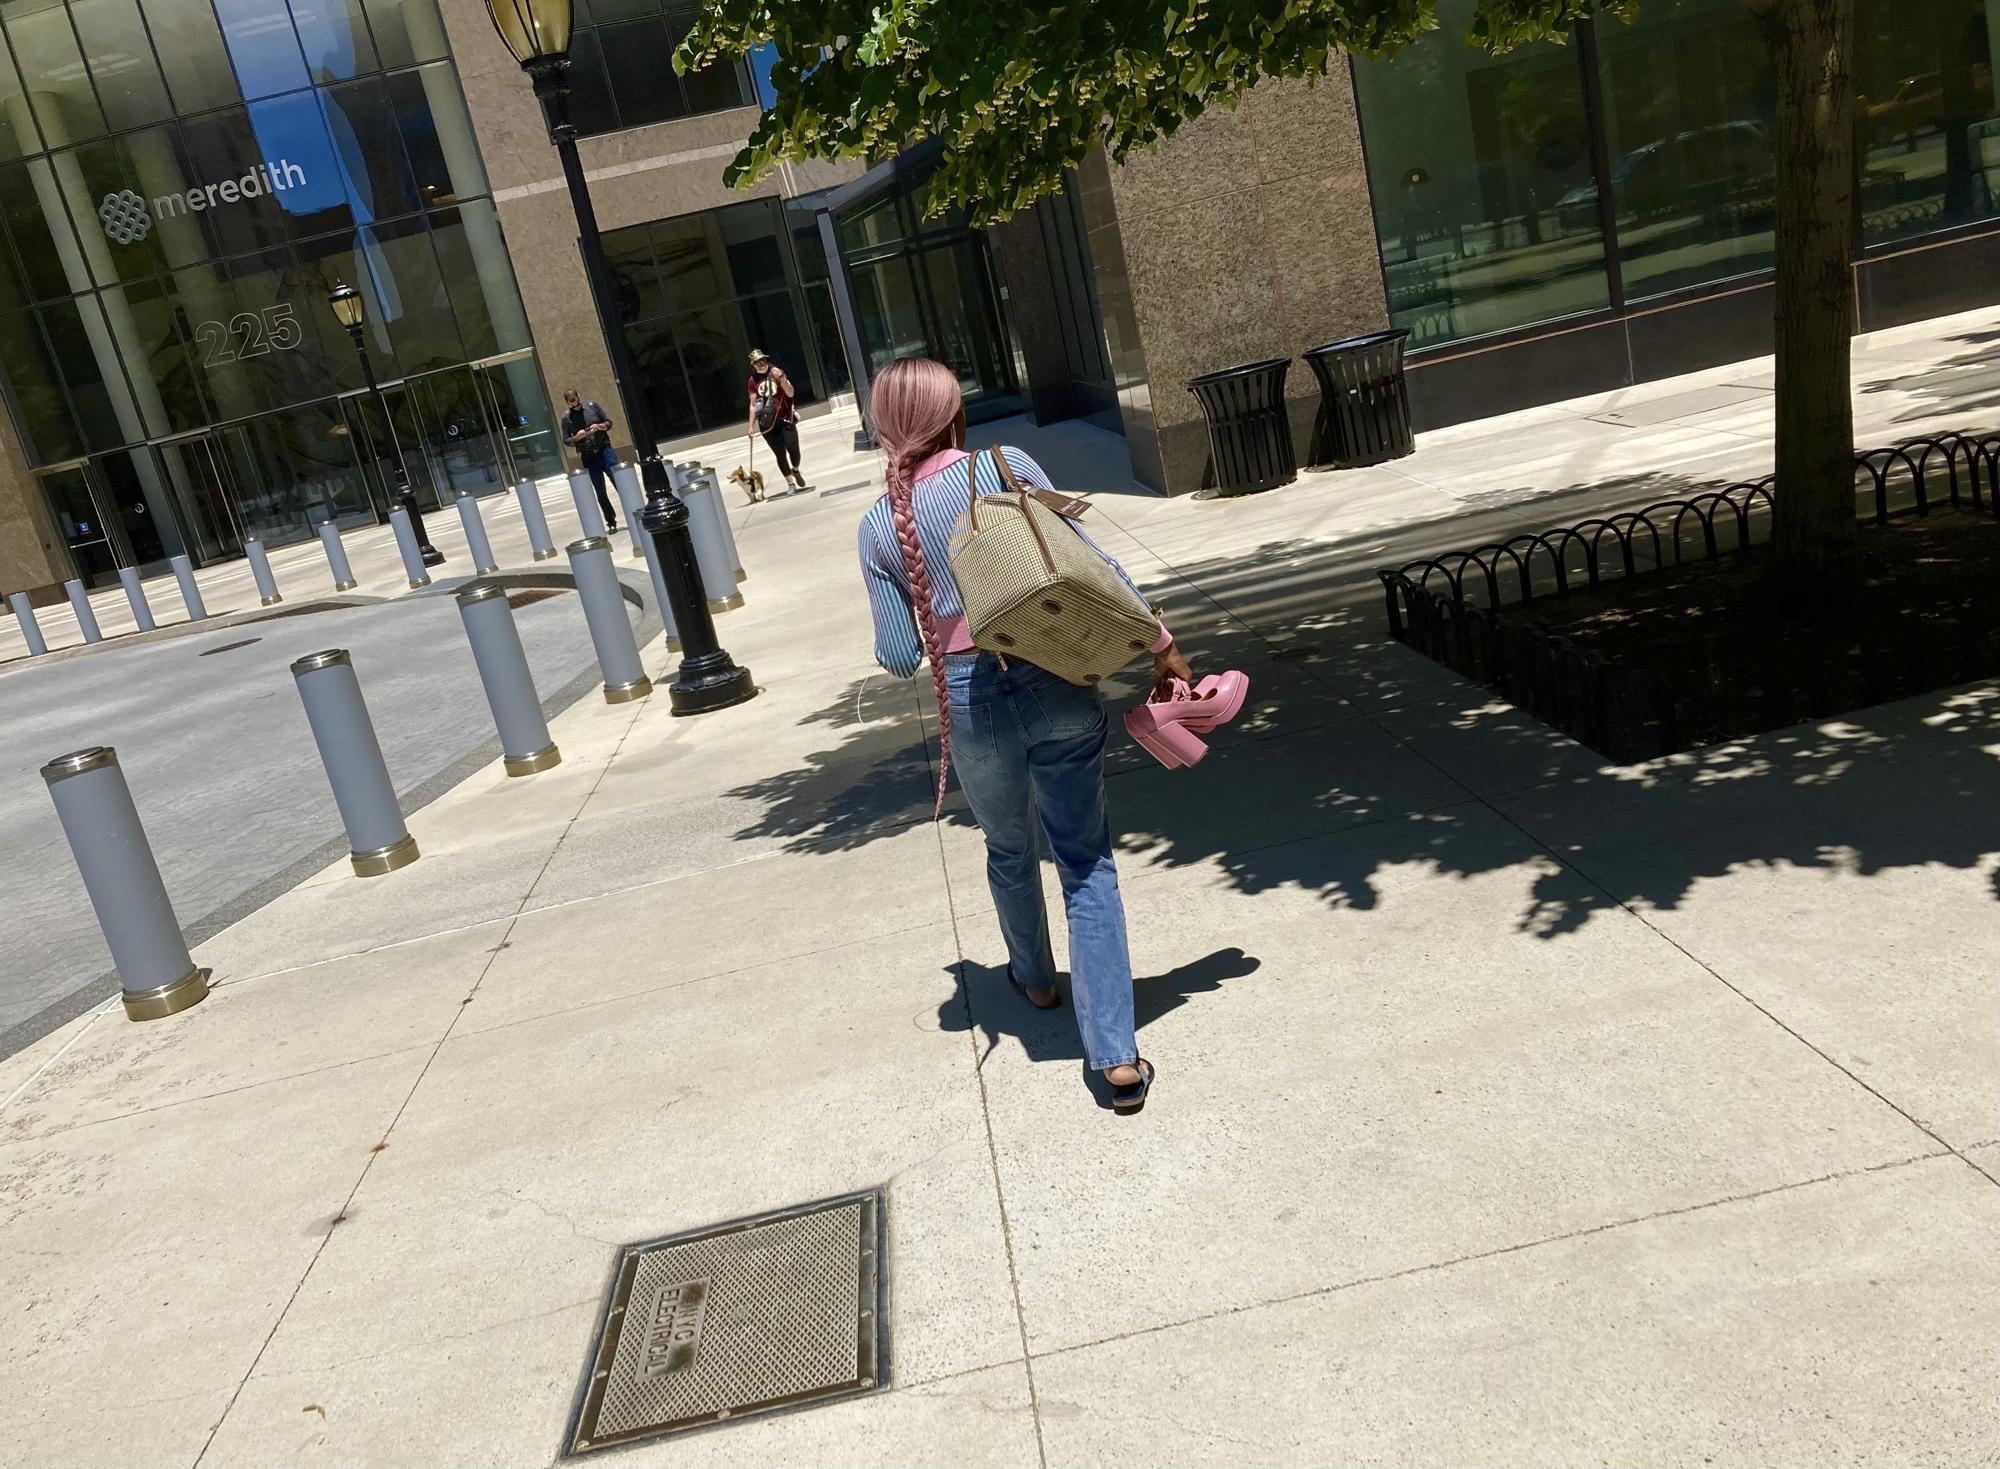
[914, 403]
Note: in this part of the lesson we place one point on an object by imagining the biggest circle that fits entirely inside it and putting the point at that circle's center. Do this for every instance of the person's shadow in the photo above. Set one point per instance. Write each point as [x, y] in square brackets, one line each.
[989, 1004]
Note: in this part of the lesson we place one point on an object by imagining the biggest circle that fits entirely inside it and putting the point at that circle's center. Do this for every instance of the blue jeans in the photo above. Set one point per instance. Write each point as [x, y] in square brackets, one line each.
[597, 466]
[1027, 745]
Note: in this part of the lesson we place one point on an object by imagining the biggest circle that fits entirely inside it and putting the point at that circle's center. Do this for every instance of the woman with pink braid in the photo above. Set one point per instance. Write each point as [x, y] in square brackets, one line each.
[1028, 747]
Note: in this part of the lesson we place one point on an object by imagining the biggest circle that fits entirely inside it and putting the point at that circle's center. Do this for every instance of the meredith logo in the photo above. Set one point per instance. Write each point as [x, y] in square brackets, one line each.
[127, 219]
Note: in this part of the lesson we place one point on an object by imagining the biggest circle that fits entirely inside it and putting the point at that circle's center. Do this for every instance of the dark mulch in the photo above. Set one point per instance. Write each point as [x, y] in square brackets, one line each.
[1737, 657]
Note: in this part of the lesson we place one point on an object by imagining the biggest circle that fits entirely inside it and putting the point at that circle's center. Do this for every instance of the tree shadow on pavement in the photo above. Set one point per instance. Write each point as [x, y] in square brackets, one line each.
[1360, 756]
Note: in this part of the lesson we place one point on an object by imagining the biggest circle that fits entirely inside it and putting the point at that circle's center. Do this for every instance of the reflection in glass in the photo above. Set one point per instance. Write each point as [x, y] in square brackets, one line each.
[335, 37]
[621, 76]
[369, 149]
[644, 85]
[1928, 131]
[163, 371]
[437, 135]
[133, 494]
[407, 31]
[190, 49]
[263, 46]
[41, 408]
[407, 292]
[129, 84]
[46, 256]
[591, 106]
[17, 129]
[1690, 111]
[91, 372]
[52, 70]
[1480, 170]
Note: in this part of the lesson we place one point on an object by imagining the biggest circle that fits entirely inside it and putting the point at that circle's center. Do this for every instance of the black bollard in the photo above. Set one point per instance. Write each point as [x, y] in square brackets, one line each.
[708, 678]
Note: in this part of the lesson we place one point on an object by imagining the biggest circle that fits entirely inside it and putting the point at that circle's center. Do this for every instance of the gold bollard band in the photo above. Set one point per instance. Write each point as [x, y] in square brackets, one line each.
[271, 601]
[169, 999]
[345, 586]
[541, 759]
[385, 859]
[624, 693]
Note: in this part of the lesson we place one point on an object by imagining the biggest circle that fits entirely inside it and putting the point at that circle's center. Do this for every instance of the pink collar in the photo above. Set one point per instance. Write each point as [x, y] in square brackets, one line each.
[939, 462]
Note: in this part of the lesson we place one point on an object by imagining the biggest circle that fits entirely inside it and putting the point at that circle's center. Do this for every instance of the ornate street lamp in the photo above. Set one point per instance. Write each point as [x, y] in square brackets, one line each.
[537, 32]
[350, 311]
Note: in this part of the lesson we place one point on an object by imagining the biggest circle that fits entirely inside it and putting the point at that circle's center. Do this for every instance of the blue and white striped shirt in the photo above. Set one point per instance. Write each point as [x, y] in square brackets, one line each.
[938, 499]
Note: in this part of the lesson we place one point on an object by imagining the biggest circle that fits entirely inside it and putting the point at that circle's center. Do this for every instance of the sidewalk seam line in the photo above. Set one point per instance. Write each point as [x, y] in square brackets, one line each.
[369, 1161]
[1499, 1251]
[992, 1150]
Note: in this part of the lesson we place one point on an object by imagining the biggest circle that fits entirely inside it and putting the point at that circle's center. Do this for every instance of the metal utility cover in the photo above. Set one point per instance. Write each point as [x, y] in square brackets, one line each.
[780, 1310]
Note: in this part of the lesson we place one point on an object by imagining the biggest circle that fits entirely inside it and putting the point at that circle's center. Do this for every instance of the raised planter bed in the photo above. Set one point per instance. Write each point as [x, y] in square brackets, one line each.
[1651, 631]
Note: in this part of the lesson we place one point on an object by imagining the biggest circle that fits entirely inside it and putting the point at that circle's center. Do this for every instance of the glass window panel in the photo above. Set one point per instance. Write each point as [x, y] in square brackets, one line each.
[42, 409]
[967, 338]
[1690, 111]
[46, 254]
[886, 310]
[407, 291]
[1925, 113]
[643, 81]
[190, 48]
[335, 37]
[635, 277]
[88, 357]
[714, 349]
[688, 250]
[282, 167]
[325, 262]
[163, 369]
[369, 147]
[712, 89]
[467, 283]
[203, 299]
[610, 12]
[749, 235]
[771, 323]
[263, 46]
[129, 84]
[18, 137]
[52, 70]
[591, 106]
[437, 133]
[1480, 169]
[407, 31]
[115, 249]
[656, 358]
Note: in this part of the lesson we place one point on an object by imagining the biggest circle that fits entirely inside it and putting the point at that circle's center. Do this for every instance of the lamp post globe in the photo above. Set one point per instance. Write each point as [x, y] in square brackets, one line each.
[350, 309]
[537, 33]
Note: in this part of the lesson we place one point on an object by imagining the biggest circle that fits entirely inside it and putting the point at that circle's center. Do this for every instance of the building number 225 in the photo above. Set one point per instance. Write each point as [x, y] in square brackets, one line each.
[249, 334]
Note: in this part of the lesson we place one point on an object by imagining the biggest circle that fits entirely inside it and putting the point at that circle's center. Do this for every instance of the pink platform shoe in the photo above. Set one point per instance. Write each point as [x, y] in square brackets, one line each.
[1169, 724]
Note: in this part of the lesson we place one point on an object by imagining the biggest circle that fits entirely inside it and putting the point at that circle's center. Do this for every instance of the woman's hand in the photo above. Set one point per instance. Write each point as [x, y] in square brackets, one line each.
[1168, 665]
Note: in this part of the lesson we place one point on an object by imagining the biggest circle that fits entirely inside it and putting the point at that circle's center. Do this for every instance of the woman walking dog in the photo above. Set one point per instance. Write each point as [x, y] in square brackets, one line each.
[1028, 746]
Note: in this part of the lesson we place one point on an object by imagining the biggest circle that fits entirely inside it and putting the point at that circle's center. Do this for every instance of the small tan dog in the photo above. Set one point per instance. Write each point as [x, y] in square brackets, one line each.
[751, 481]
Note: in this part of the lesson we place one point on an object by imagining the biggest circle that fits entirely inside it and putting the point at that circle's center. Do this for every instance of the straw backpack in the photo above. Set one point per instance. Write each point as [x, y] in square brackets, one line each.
[1034, 589]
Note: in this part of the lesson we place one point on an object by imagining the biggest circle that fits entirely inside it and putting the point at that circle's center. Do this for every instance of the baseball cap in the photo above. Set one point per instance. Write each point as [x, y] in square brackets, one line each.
[758, 354]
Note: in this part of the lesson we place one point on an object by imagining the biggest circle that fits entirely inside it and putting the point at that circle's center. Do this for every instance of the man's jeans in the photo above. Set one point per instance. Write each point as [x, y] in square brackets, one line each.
[598, 466]
[1024, 744]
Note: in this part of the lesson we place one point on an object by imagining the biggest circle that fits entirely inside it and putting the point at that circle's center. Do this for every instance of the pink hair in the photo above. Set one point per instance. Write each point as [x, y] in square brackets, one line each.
[914, 403]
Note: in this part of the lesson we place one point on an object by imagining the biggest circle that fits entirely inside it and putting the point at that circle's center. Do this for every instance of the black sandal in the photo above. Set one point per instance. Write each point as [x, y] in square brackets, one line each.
[1129, 1099]
[1055, 998]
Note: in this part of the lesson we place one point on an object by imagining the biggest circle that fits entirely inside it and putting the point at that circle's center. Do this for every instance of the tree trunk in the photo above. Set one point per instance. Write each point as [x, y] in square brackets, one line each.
[1815, 533]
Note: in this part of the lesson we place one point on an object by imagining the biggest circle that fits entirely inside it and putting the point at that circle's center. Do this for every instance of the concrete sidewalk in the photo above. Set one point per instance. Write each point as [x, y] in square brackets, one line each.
[1513, 1109]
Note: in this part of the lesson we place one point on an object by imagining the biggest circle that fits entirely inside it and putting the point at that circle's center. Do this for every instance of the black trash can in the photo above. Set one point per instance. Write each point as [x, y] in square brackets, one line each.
[1249, 435]
[1364, 402]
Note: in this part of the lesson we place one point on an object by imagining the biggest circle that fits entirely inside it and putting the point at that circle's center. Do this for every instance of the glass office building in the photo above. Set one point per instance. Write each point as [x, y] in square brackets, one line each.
[1637, 166]
[181, 184]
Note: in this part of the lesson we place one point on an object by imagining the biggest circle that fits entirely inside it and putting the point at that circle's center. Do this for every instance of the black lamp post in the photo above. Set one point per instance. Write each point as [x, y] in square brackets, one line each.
[537, 33]
[349, 310]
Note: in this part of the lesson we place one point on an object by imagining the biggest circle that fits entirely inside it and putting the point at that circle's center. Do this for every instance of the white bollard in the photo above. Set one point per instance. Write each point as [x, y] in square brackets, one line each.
[483, 563]
[336, 557]
[190, 593]
[31, 630]
[260, 568]
[587, 514]
[537, 522]
[625, 480]
[142, 611]
[86, 618]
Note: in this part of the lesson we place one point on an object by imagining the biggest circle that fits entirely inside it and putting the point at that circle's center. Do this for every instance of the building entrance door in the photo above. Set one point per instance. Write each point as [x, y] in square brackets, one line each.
[85, 529]
[524, 427]
[203, 473]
